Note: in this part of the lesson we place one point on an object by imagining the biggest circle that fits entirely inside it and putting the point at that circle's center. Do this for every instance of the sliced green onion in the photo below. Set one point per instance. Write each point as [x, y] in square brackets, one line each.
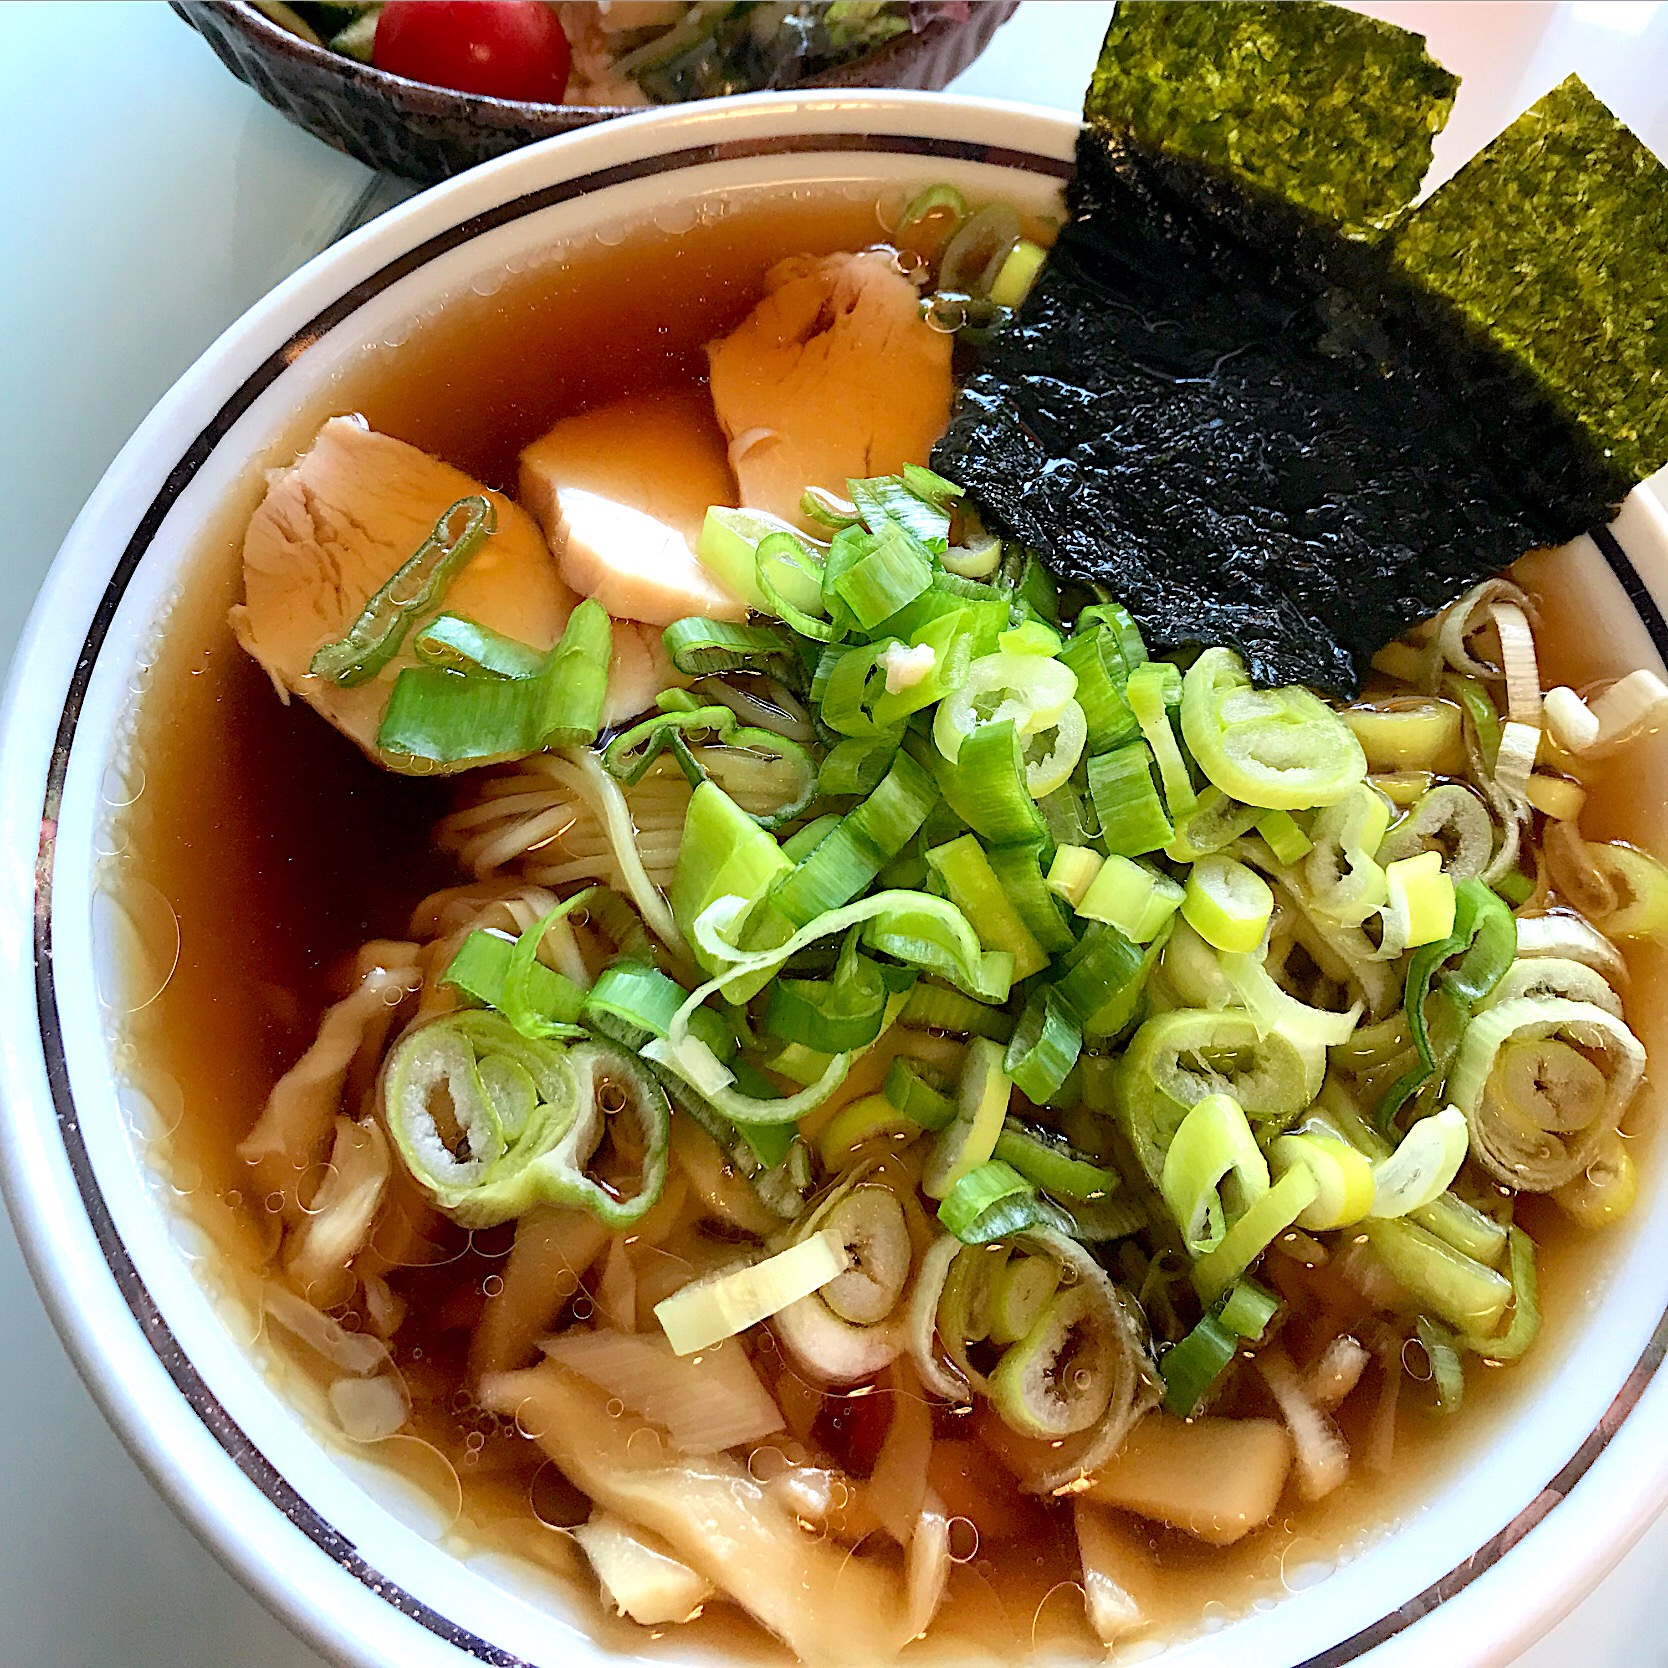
[1485, 940]
[828, 508]
[789, 580]
[1421, 900]
[857, 764]
[980, 248]
[1343, 1179]
[909, 1091]
[1178, 1058]
[1410, 732]
[1044, 1048]
[846, 686]
[1019, 1293]
[873, 1119]
[375, 636]
[1227, 904]
[450, 717]
[723, 853]
[1102, 978]
[1447, 1370]
[917, 501]
[949, 639]
[1268, 1218]
[1154, 688]
[1525, 1323]
[974, 889]
[728, 549]
[1133, 897]
[523, 1119]
[460, 645]
[480, 969]
[1439, 1279]
[1019, 870]
[1539, 1104]
[1115, 618]
[935, 1007]
[706, 1312]
[1059, 1378]
[1285, 839]
[699, 648]
[1276, 1009]
[1018, 273]
[1283, 749]
[1192, 1368]
[867, 839]
[1050, 1162]
[993, 1201]
[1073, 871]
[1033, 637]
[1047, 772]
[982, 1098]
[987, 786]
[1247, 1310]
[1214, 822]
[936, 199]
[630, 754]
[1213, 1143]
[830, 1016]
[1423, 1166]
[1344, 879]
[893, 571]
[1098, 664]
[632, 1002]
[979, 558]
[519, 999]
[1029, 691]
[1480, 712]
[1132, 817]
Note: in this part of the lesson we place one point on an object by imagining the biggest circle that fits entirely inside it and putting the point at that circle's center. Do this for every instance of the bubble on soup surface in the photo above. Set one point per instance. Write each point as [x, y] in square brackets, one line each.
[677, 218]
[122, 784]
[152, 1112]
[136, 943]
[411, 1480]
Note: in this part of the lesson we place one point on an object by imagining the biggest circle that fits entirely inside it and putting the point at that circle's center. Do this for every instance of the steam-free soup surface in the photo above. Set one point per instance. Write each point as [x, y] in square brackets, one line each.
[281, 850]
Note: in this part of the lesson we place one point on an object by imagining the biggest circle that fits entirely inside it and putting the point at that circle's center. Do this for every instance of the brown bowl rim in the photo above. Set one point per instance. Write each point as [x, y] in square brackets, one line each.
[424, 96]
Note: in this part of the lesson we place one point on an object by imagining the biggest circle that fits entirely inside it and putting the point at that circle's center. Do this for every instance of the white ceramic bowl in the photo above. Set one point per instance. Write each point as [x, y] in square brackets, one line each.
[1552, 1491]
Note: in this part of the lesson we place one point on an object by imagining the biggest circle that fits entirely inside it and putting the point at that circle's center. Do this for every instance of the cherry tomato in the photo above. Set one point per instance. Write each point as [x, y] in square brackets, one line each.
[504, 48]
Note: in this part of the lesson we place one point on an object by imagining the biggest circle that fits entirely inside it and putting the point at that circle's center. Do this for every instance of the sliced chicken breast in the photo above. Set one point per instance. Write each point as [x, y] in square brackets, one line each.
[832, 376]
[621, 493]
[331, 530]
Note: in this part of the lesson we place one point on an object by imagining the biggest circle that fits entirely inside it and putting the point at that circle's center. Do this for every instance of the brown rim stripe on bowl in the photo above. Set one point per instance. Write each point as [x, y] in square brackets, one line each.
[233, 1440]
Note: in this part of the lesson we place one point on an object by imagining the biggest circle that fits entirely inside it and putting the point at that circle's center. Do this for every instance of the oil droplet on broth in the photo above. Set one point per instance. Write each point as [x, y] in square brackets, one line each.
[136, 944]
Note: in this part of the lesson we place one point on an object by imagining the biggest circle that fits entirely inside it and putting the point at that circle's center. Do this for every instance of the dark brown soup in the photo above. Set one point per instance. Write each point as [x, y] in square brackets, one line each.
[281, 850]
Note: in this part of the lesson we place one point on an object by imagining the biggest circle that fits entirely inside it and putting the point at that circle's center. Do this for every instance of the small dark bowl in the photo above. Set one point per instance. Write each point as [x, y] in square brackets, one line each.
[431, 133]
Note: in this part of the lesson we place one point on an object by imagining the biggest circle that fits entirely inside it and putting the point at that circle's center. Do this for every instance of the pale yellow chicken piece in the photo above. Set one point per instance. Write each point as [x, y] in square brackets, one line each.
[622, 492]
[331, 530]
[832, 376]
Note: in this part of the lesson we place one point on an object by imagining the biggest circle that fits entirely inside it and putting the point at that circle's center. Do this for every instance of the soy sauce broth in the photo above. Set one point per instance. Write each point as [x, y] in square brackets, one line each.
[280, 850]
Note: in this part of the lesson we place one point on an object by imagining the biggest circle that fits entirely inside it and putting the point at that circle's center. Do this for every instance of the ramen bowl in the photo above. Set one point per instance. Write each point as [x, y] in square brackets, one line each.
[1560, 1472]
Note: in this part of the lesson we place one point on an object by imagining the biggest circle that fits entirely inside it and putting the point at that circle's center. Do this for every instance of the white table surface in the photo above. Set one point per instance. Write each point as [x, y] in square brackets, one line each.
[146, 199]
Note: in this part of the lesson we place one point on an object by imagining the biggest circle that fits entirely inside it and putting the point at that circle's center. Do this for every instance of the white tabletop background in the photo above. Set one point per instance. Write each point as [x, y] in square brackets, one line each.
[146, 199]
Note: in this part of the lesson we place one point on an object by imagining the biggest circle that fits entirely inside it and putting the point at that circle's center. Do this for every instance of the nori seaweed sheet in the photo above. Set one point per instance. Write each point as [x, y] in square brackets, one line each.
[1344, 129]
[1253, 429]
[1555, 241]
